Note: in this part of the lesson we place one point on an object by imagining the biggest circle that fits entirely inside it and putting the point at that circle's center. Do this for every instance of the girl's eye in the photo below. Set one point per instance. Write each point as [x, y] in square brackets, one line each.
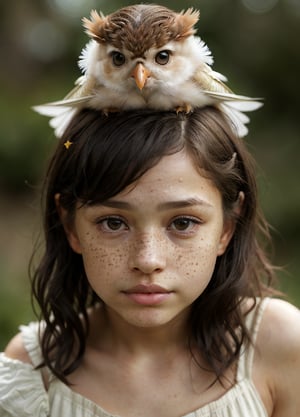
[184, 224]
[112, 224]
[162, 57]
[118, 58]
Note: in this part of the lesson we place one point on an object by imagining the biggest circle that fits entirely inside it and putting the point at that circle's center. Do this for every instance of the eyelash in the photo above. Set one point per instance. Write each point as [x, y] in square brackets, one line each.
[101, 223]
[191, 222]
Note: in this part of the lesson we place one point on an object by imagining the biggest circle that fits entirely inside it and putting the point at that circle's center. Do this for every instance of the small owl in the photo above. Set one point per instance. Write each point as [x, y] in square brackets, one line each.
[147, 56]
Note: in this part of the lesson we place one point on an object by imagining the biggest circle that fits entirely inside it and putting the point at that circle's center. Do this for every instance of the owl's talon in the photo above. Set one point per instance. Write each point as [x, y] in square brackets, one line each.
[110, 110]
[186, 108]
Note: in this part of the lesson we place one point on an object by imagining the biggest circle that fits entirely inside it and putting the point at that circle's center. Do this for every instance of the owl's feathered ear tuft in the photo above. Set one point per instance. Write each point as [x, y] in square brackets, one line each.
[94, 27]
[185, 21]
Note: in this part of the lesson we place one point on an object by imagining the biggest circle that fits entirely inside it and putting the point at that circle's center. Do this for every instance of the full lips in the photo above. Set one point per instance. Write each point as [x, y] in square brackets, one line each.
[148, 294]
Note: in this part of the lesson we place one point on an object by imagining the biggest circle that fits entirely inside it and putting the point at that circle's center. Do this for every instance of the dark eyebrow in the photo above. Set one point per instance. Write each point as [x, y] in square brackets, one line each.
[116, 204]
[162, 206]
[183, 203]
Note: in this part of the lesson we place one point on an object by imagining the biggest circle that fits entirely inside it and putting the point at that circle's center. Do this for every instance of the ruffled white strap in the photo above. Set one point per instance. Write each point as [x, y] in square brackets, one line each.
[22, 391]
[30, 336]
[253, 321]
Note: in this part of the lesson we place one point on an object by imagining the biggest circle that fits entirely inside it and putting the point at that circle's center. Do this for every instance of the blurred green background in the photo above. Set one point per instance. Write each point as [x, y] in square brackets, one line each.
[254, 42]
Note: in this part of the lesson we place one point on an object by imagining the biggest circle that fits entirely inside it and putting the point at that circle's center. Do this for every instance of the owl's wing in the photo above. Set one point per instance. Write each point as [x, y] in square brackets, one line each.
[62, 111]
[210, 81]
[233, 105]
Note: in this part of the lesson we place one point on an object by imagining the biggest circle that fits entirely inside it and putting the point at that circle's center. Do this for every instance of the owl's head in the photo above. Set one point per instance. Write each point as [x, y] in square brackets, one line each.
[147, 44]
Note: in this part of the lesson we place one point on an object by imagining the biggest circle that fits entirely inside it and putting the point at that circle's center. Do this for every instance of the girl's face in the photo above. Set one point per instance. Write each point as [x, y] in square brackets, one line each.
[150, 251]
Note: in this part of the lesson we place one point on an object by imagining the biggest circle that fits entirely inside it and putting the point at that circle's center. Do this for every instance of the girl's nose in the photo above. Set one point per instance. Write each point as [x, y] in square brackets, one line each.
[148, 254]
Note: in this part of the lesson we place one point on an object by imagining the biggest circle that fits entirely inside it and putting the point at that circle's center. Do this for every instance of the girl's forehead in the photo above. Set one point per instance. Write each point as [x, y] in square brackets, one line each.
[173, 177]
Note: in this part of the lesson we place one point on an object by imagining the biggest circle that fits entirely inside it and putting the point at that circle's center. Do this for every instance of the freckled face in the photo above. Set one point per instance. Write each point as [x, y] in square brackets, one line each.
[150, 251]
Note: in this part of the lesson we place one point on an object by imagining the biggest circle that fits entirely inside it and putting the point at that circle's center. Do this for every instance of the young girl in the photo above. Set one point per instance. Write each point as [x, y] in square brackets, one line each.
[154, 287]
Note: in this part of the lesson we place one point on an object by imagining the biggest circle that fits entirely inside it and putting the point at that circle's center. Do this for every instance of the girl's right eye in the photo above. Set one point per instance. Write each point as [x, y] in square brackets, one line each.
[112, 224]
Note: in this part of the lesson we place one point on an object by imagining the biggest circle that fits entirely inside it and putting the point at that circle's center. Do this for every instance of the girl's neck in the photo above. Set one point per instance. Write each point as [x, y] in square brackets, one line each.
[110, 332]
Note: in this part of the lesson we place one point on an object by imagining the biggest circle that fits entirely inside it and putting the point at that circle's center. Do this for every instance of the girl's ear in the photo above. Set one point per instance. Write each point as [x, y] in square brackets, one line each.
[230, 224]
[68, 225]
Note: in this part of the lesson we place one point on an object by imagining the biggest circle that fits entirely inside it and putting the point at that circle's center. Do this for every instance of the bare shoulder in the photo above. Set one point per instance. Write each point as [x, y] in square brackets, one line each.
[280, 328]
[16, 350]
[278, 345]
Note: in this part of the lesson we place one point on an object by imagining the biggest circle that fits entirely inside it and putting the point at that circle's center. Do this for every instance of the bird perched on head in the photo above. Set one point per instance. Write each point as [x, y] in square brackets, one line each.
[147, 56]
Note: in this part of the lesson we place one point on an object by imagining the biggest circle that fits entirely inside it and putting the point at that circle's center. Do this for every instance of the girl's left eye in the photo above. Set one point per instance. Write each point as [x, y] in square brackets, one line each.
[184, 224]
[112, 224]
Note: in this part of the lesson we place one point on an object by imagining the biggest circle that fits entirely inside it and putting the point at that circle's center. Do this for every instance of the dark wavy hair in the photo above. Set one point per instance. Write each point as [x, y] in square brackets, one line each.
[106, 155]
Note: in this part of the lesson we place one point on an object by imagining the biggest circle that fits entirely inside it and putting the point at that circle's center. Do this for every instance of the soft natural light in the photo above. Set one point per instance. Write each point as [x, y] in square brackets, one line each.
[293, 6]
[44, 40]
[74, 8]
[260, 6]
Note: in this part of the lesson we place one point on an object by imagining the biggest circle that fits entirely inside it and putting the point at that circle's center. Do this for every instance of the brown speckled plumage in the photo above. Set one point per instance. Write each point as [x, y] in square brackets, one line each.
[140, 27]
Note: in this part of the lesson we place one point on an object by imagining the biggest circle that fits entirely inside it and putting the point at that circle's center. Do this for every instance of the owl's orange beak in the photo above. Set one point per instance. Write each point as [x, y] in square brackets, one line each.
[140, 74]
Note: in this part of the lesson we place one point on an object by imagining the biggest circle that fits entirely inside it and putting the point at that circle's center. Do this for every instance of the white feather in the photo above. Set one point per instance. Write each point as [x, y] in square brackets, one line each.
[238, 119]
[60, 122]
[203, 51]
[219, 76]
[87, 56]
[250, 105]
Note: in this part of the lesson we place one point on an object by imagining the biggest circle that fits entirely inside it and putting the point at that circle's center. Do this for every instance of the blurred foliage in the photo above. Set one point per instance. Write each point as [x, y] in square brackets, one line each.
[255, 42]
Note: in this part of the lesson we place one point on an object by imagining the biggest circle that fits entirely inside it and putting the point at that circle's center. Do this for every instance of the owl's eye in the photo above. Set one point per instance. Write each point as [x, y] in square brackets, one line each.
[162, 57]
[118, 58]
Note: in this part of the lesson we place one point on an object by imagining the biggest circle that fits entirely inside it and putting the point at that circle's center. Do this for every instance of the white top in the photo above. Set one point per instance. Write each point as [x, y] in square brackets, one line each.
[22, 392]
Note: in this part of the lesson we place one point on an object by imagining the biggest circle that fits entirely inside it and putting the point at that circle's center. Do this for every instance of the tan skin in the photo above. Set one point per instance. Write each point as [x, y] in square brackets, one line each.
[137, 349]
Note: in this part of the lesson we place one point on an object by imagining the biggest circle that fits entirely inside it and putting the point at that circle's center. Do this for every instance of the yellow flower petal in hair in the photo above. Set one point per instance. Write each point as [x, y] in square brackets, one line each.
[67, 144]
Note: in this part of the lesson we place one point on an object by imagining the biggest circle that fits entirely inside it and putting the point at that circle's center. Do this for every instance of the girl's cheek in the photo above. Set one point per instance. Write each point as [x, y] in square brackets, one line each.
[101, 260]
[199, 261]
